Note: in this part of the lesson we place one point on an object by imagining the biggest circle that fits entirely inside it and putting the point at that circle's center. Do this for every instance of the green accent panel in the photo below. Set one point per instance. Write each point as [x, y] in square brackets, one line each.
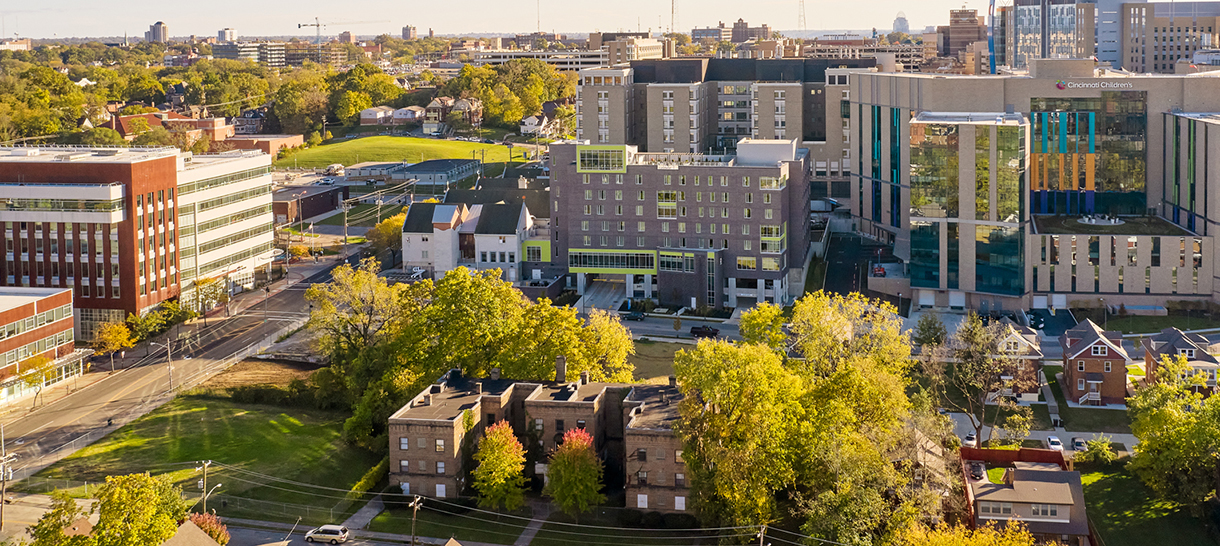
[544, 245]
[648, 256]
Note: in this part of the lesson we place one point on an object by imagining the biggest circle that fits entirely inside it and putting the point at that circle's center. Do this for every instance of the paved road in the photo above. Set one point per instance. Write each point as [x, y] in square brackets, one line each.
[134, 391]
[242, 536]
[665, 327]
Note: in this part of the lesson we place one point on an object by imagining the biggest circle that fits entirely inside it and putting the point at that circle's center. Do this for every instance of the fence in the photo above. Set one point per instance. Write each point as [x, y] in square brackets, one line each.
[1009, 456]
[241, 507]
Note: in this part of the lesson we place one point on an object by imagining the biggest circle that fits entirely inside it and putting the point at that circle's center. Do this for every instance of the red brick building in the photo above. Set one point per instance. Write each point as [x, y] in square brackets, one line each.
[35, 322]
[1094, 365]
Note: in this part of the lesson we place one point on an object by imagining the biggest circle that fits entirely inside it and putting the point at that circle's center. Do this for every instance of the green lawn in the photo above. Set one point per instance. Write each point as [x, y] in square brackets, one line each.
[996, 474]
[1127, 513]
[302, 445]
[359, 211]
[654, 362]
[1152, 325]
[1136, 370]
[434, 521]
[391, 148]
[1042, 416]
[554, 533]
[1114, 421]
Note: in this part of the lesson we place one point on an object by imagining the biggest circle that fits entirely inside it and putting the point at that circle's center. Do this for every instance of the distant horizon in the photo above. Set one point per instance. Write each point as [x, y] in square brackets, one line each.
[310, 37]
[81, 19]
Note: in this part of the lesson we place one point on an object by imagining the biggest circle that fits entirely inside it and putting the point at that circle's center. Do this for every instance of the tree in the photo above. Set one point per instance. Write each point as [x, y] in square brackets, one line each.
[607, 346]
[764, 325]
[387, 234]
[154, 137]
[500, 478]
[1098, 450]
[929, 330]
[574, 476]
[102, 136]
[355, 310]
[112, 337]
[349, 106]
[1179, 436]
[49, 530]
[212, 525]
[1010, 534]
[298, 251]
[35, 372]
[137, 509]
[211, 292]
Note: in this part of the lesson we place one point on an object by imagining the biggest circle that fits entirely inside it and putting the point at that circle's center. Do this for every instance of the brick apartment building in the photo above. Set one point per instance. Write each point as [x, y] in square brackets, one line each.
[129, 228]
[427, 434]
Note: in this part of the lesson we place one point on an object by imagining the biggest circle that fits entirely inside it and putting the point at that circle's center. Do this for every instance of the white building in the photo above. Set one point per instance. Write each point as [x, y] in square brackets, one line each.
[441, 237]
[226, 35]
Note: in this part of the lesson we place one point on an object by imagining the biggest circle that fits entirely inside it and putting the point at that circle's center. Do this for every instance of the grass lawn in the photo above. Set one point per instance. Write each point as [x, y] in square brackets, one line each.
[359, 211]
[1136, 370]
[1114, 421]
[553, 533]
[1042, 416]
[391, 148]
[296, 444]
[996, 474]
[654, 362]
[433, 521]
[1153, 325]
[1127, 513]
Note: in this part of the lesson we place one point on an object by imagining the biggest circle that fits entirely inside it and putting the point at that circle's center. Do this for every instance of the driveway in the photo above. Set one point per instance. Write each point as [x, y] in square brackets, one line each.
[604, 294]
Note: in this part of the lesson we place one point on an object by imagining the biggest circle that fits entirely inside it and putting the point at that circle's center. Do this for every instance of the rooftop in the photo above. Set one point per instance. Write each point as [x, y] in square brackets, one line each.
[1131, 225]
[1040, 486]
[438, 165]
[84, 154]
[658, 407]
[971, 118]
[291, 193]
[12, 297]
[450, 397]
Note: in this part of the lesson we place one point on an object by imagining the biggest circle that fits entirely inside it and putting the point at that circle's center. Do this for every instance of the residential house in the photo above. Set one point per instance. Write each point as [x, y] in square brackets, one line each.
[435, 114]
[1200, 355]
[1094, 365]
[470, 109]
[1048, 500]
[655, 474]
[441, 237]
[539, 125]
[410, 114]
[377, 115]
[213, 129]
[537, 255]
[1023, 342]
[268, 144]
[250, 122]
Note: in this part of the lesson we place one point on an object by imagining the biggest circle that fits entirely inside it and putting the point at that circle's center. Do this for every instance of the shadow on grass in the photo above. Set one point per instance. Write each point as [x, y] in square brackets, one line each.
[1127, 513]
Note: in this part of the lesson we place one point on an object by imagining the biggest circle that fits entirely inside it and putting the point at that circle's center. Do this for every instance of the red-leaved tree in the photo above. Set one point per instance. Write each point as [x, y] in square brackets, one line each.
[211, 524]
[574, 477]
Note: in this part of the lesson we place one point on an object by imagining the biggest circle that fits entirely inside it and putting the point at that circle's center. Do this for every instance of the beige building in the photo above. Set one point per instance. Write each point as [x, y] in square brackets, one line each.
[637, 49]
[655, 472]
[1157, 35]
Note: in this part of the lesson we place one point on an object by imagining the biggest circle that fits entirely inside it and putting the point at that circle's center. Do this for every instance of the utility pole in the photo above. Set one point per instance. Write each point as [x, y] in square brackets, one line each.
[6, 472]
[762, 534]
[203, 484]
[414, 511]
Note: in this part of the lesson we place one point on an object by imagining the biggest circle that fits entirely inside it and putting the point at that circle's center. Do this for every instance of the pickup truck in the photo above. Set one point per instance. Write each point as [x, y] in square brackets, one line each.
[704, 331]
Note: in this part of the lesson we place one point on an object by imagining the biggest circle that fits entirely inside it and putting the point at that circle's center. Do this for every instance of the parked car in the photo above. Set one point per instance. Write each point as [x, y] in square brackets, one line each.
[332, 534]
[488, 141]
[634, 315]
[704, 331]
[970, 440]
[327, 182]
[1078, 444]
[977, 471]
[1052, 442]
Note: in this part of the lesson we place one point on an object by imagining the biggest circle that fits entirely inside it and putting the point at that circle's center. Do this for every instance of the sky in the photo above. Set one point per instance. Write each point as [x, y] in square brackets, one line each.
[80, 18]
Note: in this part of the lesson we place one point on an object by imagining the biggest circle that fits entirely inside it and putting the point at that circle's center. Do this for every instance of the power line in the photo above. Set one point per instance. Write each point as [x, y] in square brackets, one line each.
[794, 533]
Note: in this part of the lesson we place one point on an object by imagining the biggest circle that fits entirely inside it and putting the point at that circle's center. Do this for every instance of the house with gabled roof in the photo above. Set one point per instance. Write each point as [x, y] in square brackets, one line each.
[439, 237]
[1026, 346]
[1094, 365]
[1200, 355]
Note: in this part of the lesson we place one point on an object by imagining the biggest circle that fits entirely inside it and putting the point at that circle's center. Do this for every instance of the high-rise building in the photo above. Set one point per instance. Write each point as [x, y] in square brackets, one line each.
[901, 24]
[1109, 27]
[409, 33]
[345, 37]
[226, 35]
[965, 28]
[270, 54]
[1157, 35]
[598, 40]
[1047, 29]
[712, 35]
[637, 49]
[742, 31]
[127, 229]
[1070, 183]
[157, 33]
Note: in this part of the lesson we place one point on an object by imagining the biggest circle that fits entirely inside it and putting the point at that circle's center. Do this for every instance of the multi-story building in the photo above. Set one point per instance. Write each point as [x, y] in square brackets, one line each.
[901, 24]
[1048, 29]
[742, 31]
[597, 40]
[910, 56]
[707, 105]
[637, 49]
[345, 37]
[626, 421]
[269, 54]
[712, 35]
[1094, 364]
[226, 35]
[128, 228]
[35, 322]
[296, 53]
[562, 60]
[157, 33]
[409, 33]
[1199, 353]
[1157, 35]
[1036, 165]
[688, 229]
[16, 44]
[965, 28]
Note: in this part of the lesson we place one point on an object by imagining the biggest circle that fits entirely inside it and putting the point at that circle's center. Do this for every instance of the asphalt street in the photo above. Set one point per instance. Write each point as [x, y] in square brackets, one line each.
[241, 536]
[133, 391]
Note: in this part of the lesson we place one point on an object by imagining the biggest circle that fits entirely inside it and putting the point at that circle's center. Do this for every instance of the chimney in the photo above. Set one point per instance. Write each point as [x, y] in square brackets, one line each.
[522, 183]
[584, 377]
[478, 387]
[561, 369]
[673, 381]
[495, 374]
[427, 400]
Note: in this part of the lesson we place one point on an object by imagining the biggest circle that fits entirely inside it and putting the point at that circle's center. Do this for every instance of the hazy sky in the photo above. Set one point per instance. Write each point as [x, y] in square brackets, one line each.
[280, 17]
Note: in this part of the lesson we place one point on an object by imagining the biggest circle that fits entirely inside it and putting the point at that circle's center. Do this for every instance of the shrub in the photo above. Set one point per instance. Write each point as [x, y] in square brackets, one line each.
[652, 520]
[369, 480]
[1098, 451]
[630, 517]
[680, 521]
[211, 524]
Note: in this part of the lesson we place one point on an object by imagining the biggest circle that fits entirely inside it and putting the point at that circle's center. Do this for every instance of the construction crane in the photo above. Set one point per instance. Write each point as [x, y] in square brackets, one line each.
[317, 24]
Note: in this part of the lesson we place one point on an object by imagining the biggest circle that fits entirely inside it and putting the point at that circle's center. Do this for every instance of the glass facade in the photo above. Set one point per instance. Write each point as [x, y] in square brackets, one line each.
[1010, 174]
[1181, 174]
[998, 260]
[925, 254]
[934, 160]
[1088, 154]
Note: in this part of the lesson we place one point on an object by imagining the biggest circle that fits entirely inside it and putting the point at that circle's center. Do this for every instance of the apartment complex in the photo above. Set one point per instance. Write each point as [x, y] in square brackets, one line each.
[1094, 365]
[226, 35]
[687, 229]
[712, 35]
[128, 228]
[743, 32]
[1066, 183]
[427, 434]
[564, 60]
[410, 33]
[1158, 35]
[269, 54]
[700, 105]
[157, 32]
[638, 49]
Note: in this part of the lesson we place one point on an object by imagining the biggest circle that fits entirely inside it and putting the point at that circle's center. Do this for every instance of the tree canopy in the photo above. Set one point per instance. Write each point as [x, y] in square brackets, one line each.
[499, 477]
[574, 476]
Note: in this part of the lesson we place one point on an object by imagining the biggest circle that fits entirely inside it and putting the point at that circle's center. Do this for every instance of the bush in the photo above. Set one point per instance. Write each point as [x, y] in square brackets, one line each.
[211, 524]
[1098, 451]
[680, 521]
[652, 520]
[297, 394]
[630, 517]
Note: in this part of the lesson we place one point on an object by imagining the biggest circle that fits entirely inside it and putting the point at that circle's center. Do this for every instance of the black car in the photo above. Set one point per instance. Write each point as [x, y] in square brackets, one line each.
[704, 331]
[977, 470]
[634, 315]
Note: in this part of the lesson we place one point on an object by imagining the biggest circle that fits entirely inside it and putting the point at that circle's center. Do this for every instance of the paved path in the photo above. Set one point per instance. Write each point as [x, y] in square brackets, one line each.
[364, 516]
[542, 510]
[962, 427]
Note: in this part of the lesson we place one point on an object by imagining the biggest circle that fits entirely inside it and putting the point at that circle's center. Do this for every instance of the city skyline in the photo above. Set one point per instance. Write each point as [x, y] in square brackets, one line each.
[80, 18]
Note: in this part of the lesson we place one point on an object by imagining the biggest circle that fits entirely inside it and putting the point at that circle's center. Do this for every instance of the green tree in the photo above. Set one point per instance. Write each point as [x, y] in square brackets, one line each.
[607, 347]
[35, 372]
[929, 330]
[49, 530]
[764, 324]
[102, 136]
[157, 136]
[1010, 534]
[500, 477]
[1179, 436]
[574, 475]
[211, 292]
[112, 337]
[349, 106]
[1098, 450]
[387, 234]
[137, 509]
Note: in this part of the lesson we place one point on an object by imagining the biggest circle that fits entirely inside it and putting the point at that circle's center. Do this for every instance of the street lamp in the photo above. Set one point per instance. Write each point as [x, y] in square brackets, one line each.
[208, 494]
[169, 360]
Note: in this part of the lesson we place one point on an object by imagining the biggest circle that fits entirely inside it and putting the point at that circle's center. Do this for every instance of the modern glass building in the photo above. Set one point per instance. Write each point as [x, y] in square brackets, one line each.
[1049, 29]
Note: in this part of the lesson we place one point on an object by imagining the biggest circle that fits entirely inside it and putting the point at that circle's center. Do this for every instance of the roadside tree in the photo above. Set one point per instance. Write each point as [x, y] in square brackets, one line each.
[112, 337]
[929, 330]
[764, 324]
[35, 372]
[137, 509]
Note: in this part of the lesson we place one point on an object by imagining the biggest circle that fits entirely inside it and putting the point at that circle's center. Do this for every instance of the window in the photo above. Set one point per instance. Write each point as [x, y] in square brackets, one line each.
[661, 452]
[491, 419]
[997, 508]
[641, 477]
[423, 442]
[680, 503]
[558, 426]
[641, 455]
[404, 465]
[1080, 384]
[404, 443]
[1080, 365]
[678, 456]
[1188, 353]
[746, 263]
[440, 467]
[538, 425]
[1045, 509]
[1011, 346]
[1099, 350]
[440, 446]
[1107, 367]
[641, 501]
[680, 480]
[580, 424]
[440, 490]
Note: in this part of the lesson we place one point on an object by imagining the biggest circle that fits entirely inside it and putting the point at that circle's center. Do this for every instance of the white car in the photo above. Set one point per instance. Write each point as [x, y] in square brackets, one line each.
[1052, 442]
[333, 534]
[970, 440]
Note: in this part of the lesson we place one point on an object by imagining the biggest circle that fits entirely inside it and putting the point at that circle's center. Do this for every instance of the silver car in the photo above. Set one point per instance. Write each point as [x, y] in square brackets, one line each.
[333, 534]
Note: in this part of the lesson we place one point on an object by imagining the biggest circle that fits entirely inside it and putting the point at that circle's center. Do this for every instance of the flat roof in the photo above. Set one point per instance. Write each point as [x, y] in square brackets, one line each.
[658, 406]
[12, 297]
[288, 193]
[84, 154]
[971, 118]
[1131, 225]
[262, 137]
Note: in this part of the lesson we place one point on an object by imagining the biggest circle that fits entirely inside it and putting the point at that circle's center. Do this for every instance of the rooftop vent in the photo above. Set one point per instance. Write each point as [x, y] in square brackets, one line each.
[25, 152]
[75, 156]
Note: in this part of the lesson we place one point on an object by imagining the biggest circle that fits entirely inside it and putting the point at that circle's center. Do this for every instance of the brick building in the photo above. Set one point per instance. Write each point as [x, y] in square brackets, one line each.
[655, 471]
[1094, 365]
[35, 322]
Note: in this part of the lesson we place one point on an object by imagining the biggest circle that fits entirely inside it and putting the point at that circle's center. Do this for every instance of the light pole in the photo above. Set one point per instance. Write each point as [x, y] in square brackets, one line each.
[300, 217]
[169, 361]
[205, 496]
[414, 510]
[266, 289]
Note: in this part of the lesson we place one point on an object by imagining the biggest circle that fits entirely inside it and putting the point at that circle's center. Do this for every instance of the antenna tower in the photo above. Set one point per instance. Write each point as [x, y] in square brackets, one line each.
[800, 18]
